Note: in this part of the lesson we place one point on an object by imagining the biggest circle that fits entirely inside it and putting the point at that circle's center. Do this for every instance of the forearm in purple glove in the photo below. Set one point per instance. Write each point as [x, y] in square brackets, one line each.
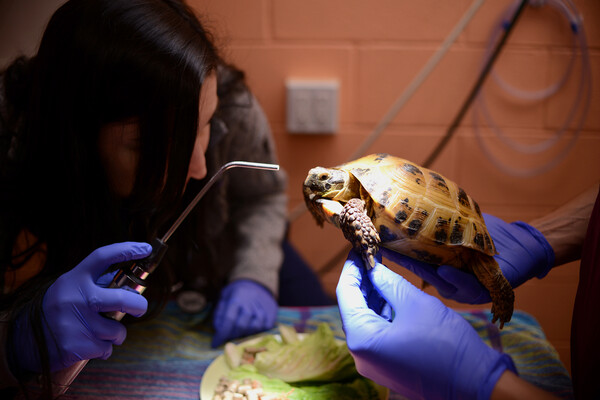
[427, 351]
[244, 308]
[74, 328]
[523, 253]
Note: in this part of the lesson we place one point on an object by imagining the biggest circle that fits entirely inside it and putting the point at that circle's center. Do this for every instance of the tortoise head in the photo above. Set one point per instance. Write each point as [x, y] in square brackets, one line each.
[325, 183]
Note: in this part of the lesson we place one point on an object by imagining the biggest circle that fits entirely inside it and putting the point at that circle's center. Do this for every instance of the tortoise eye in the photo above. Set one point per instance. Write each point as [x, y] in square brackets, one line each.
[324, 176]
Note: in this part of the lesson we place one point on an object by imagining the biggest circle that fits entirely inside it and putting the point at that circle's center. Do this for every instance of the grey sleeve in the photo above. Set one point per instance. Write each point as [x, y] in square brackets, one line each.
[258, 202]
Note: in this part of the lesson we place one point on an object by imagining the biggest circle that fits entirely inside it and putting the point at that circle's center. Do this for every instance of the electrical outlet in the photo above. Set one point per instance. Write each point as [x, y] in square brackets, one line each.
[312, 106]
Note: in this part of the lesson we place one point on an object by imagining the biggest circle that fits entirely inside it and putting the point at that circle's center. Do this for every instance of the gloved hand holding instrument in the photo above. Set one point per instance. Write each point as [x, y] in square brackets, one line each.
[74, 303]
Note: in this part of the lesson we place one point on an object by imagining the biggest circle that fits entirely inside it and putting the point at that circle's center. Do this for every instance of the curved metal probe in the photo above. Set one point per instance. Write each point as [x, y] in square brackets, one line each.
[215, 177]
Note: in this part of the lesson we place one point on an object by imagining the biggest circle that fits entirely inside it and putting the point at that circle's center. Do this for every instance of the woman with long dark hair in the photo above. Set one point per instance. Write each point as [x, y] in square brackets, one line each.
[104, 134]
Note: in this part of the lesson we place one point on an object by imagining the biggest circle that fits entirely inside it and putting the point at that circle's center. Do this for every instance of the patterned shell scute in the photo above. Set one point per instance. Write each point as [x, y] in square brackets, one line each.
[414, 205]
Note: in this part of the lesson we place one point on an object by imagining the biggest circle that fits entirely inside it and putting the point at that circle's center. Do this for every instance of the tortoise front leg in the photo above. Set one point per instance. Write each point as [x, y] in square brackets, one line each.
[359, 230]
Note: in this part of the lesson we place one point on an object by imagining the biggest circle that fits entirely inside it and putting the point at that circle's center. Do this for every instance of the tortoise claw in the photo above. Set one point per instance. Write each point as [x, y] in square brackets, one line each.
[370, 262]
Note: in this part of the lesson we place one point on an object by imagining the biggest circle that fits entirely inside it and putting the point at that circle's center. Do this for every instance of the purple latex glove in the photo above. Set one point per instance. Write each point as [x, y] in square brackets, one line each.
[245, 307]
[75, 330]
[523, 253]
[427, 351]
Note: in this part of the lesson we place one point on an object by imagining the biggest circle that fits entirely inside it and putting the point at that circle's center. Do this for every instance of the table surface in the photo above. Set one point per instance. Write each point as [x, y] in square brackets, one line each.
[165, 358]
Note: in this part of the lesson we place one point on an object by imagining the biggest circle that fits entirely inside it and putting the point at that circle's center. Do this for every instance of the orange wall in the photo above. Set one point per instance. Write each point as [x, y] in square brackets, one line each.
[374, 49]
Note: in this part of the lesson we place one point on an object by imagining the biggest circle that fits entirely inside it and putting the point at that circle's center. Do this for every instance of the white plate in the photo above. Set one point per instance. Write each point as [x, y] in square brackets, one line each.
[219, 368]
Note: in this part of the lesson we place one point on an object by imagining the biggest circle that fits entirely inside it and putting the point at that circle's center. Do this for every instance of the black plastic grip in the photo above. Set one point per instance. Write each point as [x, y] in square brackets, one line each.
[134, 275]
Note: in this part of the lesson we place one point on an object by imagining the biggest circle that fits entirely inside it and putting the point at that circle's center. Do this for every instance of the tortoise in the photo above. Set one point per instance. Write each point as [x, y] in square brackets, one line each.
[384, 200]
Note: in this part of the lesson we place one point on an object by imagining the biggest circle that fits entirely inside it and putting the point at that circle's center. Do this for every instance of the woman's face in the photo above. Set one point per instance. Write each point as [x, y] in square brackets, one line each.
[119, 144]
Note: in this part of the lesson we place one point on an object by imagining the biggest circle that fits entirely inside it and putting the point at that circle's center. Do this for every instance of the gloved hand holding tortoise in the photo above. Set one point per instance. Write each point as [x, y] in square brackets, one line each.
[523, 254]
[427, 351]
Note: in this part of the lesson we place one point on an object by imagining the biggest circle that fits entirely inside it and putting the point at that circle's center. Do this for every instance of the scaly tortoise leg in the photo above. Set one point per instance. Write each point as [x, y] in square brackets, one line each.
[488, 272]
[359, 230]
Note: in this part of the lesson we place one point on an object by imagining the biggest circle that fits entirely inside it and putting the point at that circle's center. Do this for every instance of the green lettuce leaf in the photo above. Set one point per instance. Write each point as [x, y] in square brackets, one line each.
[318, 357]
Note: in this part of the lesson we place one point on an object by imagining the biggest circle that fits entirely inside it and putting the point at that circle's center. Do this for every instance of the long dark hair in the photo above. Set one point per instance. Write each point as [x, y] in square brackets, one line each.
[100, 61]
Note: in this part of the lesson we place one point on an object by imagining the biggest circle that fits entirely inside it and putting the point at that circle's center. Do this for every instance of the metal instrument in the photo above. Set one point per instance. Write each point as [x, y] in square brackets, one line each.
[134, 275]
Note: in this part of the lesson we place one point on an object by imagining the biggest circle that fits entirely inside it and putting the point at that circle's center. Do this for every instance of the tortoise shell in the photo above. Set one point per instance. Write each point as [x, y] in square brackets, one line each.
[418, 212]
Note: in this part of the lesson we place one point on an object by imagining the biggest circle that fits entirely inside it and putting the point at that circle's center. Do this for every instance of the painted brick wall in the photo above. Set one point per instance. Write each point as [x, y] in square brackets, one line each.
[374, 49]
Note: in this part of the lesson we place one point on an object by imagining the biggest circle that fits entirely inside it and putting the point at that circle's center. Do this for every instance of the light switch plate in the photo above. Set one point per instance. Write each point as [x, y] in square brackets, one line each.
[312, 106]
